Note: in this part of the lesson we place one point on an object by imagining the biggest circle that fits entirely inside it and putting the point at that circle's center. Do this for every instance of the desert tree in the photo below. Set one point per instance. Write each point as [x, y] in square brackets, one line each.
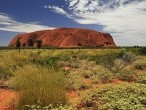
[18, 44]
[39, 43]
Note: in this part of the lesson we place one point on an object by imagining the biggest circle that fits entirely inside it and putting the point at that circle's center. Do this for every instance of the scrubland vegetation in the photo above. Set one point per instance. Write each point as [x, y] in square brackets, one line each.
[76, 79]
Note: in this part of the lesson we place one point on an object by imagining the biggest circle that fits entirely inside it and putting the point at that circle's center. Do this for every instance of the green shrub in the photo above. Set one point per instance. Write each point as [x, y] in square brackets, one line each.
[126, 75]
[119, 64]
[37, 83]
[74, 81]
[142, 51]
[106, 60]
[128, 57]
[142, 78]
[103, 74]
[140, 64]
[117, 97]
[51, 62]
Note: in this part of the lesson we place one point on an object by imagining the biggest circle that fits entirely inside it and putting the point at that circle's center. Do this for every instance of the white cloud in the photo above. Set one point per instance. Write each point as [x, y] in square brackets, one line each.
[125, 19]
[9, 24]
[58, 10]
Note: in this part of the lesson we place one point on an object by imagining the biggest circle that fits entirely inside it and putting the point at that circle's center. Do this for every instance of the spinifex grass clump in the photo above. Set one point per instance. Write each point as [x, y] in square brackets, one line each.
[39, 84]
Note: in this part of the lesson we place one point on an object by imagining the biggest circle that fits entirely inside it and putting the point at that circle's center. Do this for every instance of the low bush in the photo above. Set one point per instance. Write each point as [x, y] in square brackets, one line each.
[128, 57]
[116, 97]
[102, 74]
[142, 78]
[109, 59]
[140, 64]
[51, 62]
[36, 83]
[126, 75]
[74, 81]
[118, 65]
[142, 51]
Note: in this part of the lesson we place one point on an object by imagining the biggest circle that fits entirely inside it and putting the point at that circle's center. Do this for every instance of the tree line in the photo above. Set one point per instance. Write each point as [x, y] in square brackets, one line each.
[30, 43]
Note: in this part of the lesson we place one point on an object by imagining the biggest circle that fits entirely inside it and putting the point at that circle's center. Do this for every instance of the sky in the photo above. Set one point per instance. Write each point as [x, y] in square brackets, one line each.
[125, 20]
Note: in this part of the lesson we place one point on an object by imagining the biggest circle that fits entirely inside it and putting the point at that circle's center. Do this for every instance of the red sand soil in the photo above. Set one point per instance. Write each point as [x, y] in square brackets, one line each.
[66, 37]
[8, 99]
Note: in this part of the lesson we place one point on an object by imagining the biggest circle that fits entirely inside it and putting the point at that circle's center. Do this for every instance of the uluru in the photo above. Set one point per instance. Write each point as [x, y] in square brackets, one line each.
[65, 37]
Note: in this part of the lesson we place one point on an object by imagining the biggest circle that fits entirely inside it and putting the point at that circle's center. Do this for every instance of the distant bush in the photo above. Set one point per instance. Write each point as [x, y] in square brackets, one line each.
[39, 43]
[122, 58]
[142, 51]
[128, 57]
[116, 97]
[140, 64]
[106, 60]
[37, 83]
[51, 62]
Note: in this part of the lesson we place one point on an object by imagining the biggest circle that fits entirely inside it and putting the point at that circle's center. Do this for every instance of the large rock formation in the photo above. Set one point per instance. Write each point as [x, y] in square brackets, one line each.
[65, 37]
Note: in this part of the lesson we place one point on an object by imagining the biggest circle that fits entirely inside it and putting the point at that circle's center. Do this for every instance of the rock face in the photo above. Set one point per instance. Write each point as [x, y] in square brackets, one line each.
[65, 37]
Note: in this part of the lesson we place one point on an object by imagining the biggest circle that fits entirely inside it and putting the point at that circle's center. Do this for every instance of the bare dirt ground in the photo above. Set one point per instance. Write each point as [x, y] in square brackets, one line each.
[8, 99]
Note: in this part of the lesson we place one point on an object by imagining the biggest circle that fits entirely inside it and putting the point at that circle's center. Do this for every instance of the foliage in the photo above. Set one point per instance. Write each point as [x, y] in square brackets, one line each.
[119, 64]
[39, 43]
[106, 60]
[126, 75]
[37, 70]
[103, 74]
[73, 81]
[37, 83]
[50, 107]
[128, 57]
[142, 78]
[115, 61]
[5, 74]
[18, 43]
[51, 62]
[142, 51]
[140, 64]
[117, 97]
